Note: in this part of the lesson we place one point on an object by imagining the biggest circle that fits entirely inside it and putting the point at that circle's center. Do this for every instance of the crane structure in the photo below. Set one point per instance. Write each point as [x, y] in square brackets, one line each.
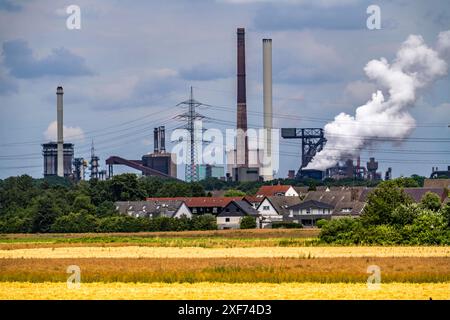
[313, 141]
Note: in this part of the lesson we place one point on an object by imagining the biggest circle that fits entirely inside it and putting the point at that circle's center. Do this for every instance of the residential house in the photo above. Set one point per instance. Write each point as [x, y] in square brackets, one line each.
[232, 214]
[276, 209]
[308, 212]
[152, 209]
[203, 205]
[346, 202]
[277, 190]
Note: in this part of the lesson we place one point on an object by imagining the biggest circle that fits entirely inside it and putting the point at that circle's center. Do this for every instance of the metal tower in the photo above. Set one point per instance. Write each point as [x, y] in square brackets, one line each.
[313, 141]
[190, 116]
[94, 163]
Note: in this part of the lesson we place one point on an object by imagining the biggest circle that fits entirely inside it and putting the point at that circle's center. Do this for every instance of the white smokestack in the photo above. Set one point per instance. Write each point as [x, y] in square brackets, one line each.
[267, 100]
[415, 66]
[60, 138]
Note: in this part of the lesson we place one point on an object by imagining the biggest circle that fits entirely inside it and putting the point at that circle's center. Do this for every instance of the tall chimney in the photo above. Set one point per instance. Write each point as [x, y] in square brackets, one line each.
[155, 140]
[267, 101]
[60, 138]
[162, 139]
[241, 139]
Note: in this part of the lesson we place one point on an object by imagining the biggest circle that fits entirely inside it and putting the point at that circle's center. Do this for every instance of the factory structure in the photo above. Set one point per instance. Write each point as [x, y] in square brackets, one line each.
[243, 161]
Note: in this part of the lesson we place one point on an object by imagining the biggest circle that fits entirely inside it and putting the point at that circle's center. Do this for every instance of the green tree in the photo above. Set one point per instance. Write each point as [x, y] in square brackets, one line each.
[125, 187]
[75, 222]
[44, 213]
[382, 202]
[405, 214]
[204, 222]
[83, 202]
[234, 193]
[431, 201]
[248, 222]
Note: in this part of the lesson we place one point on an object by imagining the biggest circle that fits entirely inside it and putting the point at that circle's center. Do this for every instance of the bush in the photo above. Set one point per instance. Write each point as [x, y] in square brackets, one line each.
[248, 222]
[321, 222]
[286, 225]
[343, 231]
[204, 222]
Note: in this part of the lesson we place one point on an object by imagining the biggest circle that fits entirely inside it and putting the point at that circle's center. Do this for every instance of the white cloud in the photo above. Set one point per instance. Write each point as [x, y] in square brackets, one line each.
[74, 133]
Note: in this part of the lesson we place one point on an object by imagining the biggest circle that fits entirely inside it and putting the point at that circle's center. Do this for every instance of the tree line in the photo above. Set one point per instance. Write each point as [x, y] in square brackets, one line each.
[392, 217]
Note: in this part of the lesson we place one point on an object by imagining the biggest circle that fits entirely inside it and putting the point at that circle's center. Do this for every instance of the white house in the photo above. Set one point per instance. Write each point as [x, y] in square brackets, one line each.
[275, 209]
[308, 212]
[231, 216]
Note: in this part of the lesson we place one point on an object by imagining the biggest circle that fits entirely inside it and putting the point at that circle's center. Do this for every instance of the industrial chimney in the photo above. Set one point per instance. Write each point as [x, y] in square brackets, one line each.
[162, 139]
[267, 101]
[156, 140]
[60, 138]
[241, 139]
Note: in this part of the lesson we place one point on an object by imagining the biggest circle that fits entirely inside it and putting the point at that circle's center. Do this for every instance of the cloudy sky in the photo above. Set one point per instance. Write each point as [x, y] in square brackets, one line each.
[132, 61]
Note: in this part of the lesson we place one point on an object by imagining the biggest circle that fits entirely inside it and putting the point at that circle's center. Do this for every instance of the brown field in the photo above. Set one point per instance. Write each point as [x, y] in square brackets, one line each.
[199, 252]
[231, 270]
[250, 233]
[208, 290]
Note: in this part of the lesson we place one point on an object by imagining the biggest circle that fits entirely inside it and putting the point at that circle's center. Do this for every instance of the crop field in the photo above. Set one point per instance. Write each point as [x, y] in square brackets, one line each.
[240, 264]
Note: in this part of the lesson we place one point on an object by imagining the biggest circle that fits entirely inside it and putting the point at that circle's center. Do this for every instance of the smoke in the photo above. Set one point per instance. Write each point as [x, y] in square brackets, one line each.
[385, 119]
[75, 133]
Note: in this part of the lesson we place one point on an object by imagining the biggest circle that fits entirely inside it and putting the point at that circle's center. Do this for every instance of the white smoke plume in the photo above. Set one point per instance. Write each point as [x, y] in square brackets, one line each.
[416, 65]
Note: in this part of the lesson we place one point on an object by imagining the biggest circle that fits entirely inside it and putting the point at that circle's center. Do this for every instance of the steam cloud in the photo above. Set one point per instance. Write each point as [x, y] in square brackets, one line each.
[415, 66]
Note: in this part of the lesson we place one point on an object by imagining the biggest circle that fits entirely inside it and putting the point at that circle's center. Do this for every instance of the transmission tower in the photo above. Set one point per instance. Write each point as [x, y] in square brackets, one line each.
[190, 116]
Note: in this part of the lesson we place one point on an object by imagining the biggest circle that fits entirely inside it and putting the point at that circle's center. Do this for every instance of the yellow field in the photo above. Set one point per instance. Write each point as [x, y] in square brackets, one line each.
[208, 290]
[197, 252]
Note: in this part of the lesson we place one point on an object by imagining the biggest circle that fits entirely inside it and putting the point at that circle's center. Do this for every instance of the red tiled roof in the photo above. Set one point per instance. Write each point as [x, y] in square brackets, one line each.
[201, 201]
[269, 191]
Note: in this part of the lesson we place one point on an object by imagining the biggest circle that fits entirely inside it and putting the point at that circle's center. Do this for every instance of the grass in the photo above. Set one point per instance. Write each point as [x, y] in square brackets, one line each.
[230, 270]
[208, 290]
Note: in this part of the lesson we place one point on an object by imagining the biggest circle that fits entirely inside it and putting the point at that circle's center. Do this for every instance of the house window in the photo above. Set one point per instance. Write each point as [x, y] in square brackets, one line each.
[214, 210]
[194, 210]
[308, 211]
[347, 210]
[227, 219]
[266, 208]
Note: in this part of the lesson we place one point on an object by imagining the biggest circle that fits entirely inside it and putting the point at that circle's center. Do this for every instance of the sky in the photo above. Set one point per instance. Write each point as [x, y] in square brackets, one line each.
[132, 62]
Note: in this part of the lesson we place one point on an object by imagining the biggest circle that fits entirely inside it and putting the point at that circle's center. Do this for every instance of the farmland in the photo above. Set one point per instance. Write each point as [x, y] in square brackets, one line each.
[244, 264]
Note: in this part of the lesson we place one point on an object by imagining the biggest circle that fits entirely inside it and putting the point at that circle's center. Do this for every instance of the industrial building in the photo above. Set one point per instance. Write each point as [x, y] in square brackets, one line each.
[50, 153]
[206, 171]
[159, 163]
[58, 156]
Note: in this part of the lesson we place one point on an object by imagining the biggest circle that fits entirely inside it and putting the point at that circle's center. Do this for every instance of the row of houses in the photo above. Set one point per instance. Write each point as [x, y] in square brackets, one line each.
[271, 205]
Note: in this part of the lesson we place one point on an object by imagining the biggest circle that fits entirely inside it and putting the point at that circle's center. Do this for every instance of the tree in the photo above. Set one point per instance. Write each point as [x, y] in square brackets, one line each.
[405, 214]
[234, 193]
[382, 202]
[248, 222]
[125, 187]
[75, 222]
[83, 202]
[44, 213]
[204, 222]
[431, 201]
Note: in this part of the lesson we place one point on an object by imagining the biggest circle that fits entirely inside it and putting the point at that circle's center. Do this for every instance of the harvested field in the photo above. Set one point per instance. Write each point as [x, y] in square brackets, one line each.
[231, 270]
[208, 290]
[197, 252]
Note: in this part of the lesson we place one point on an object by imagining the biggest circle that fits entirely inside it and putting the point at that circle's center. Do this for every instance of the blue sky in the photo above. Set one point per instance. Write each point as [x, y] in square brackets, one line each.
[132, 61]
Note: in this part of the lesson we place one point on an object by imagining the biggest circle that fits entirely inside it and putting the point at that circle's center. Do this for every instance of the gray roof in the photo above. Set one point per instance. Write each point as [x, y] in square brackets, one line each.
[245, 209]
[311, 204]
[166, 208]
[281, 203]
